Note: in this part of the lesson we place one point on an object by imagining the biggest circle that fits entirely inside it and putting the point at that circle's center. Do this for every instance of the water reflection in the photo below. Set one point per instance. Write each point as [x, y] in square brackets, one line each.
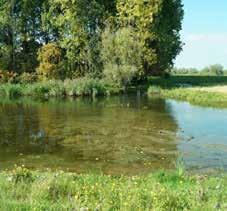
[118, 135]
[125, 134]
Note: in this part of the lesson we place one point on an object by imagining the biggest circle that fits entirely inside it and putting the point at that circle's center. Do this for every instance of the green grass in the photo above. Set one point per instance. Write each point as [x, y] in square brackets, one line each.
[26, 190]
[195, 97]
[178, 87]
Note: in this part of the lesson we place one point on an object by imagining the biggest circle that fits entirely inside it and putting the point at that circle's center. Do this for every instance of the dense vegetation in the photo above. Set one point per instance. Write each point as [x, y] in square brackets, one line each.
[118, 40]
[26, 190]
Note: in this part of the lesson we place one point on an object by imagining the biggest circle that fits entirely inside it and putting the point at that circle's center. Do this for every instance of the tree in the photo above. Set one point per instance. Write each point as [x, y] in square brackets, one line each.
[20, 37]
[7, 35]
[216, 70]
[79, 25]
[76, 27]
[121, 53]
[158, 23]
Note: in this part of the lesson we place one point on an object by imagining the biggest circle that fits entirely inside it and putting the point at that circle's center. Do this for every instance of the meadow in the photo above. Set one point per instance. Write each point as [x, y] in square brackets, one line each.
[22, 189]
[200, 90]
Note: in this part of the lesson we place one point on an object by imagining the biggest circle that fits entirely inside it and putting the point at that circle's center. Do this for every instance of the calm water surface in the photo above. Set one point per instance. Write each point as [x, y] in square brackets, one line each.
[119, 135]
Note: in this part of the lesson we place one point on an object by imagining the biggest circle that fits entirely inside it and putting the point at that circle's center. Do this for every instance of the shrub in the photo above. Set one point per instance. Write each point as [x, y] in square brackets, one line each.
[121, 54]
[22, 174]
[27, 78]
[7, 77]
[49, 57]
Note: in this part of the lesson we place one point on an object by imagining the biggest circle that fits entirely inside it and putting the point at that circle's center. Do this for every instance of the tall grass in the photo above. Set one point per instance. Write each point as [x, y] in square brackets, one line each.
[56, 88]
[25, 190]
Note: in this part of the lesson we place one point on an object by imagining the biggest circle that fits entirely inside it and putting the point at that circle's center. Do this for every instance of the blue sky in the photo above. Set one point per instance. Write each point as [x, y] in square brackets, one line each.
[204, 33]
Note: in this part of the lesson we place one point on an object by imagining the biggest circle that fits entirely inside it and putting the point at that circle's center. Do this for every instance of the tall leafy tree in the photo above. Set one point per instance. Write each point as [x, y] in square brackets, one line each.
[76, 28]
[158, 23]
[7, 35]
[21, 33]
[79, 25]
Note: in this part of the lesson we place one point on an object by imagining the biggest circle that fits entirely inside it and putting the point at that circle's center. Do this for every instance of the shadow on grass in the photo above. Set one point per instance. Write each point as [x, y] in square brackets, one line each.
[184, 81]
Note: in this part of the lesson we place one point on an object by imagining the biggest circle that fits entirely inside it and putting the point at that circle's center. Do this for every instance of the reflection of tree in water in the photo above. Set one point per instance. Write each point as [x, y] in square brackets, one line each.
[122, 134]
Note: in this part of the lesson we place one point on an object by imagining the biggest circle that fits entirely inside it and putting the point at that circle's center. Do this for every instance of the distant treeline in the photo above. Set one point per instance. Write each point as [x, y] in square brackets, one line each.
[117, 39]
[212, 70]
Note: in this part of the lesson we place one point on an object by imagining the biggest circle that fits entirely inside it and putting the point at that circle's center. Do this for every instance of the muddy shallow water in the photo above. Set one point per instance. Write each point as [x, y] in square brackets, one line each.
[119, 135]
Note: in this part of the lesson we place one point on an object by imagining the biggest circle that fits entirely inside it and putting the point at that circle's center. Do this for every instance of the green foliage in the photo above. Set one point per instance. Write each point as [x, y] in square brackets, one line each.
[158, 24]
[67, 191]
[11, 90]
[187, 81]
[79, 25]
[20, 27]
[49, 57]
[58, 88]
[77, 28]
[22, 174]
[7, 77]
[27, 78]
[122, 55]
[85, 87]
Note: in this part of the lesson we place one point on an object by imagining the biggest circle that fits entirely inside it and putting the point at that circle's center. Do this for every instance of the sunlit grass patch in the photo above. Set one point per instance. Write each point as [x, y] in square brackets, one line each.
[68, 191]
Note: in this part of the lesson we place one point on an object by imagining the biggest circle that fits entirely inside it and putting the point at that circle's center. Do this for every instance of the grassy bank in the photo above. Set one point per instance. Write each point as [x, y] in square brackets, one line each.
[195, 96]
[55, 88]
[198, 90]
[25, 190]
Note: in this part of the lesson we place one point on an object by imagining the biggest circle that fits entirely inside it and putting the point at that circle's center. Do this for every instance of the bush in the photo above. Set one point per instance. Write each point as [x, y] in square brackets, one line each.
[7, 77]
[121, 54]
[22, 174]
[27, 78]
[49, 57]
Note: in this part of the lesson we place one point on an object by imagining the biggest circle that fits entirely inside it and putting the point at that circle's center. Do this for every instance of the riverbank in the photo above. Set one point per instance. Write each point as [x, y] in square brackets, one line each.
[195, 96]
[22, 189]
[198, 90]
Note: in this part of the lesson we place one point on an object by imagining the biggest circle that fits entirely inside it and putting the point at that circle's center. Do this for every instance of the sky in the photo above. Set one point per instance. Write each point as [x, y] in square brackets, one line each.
[204, 34]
